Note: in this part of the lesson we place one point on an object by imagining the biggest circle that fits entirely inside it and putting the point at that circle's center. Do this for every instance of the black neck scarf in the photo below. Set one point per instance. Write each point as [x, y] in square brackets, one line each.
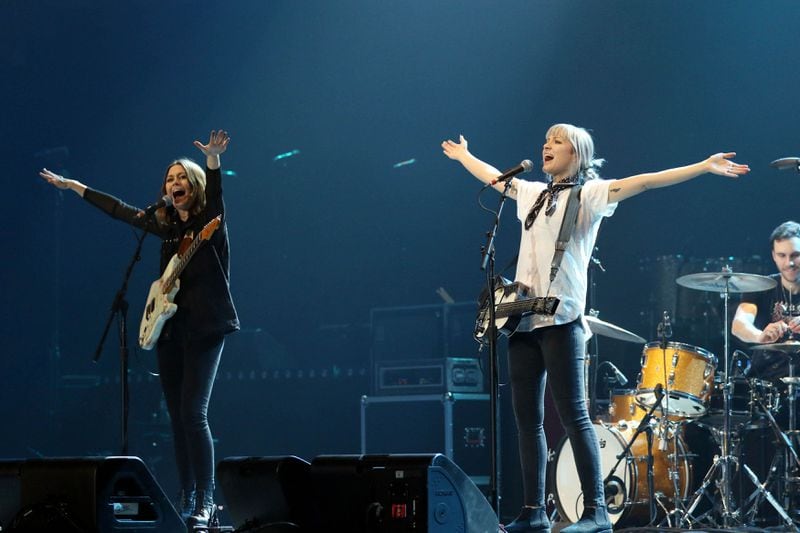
[550, 194]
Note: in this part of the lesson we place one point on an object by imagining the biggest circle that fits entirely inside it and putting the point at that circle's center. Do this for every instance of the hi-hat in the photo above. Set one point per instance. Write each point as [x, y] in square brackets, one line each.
[726, 282]
[606, 329]
[783, 347]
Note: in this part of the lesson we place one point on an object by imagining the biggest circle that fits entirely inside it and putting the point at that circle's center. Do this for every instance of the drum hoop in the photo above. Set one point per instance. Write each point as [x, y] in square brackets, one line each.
[684, 347]
[627, 464]
[681, 395]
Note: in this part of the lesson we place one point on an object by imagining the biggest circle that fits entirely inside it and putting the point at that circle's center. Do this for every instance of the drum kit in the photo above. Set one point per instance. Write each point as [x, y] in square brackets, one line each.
[651, 476]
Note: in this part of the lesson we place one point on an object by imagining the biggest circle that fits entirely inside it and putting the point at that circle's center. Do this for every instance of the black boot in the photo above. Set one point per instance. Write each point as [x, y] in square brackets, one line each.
[204, 509]
[185, 503]
[593, 520]
[530, 520]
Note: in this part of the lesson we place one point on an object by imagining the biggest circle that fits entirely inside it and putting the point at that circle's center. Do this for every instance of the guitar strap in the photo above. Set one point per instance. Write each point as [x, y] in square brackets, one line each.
[567, 225]
[564, 233]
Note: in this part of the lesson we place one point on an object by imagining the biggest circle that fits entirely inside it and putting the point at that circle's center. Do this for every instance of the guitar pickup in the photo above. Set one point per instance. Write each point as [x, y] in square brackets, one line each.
[544, 305]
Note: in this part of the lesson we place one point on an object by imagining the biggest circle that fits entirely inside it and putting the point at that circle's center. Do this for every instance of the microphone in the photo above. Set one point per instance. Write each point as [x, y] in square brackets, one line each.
[619, 376]
[524, 166]
[786, 162]
[165, 201]
[667, 326]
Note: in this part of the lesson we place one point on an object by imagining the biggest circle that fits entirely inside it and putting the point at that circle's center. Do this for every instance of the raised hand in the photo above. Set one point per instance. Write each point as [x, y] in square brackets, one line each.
[217, 143]
[54, 179]
[721, 165]
[455, 150]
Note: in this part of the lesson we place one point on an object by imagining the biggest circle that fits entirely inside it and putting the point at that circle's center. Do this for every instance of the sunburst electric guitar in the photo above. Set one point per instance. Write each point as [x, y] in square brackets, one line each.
[160, 306]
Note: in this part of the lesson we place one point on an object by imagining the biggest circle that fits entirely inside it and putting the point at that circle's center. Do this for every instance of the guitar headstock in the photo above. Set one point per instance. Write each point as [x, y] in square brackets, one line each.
[209, 229]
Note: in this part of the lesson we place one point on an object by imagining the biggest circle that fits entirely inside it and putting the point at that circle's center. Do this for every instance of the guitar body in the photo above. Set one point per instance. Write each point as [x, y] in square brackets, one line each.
[159, 308]
[512, 302]
[506, 292]
[160, 305]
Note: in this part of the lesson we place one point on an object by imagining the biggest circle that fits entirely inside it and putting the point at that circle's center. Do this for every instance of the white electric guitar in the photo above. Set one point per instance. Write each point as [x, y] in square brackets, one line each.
[160, 306]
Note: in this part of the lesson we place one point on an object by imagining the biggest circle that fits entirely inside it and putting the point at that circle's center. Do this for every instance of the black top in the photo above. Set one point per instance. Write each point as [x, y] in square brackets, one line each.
[205, 305]
[772, 305]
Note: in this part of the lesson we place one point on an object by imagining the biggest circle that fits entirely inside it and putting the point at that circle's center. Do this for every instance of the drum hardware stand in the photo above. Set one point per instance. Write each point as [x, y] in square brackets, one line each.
[725, 462]
[761, 490]
[791, 470]
[643, 427]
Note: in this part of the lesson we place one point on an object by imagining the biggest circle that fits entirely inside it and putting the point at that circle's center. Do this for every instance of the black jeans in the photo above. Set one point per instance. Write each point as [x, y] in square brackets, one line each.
[188, 368]
[557, 351]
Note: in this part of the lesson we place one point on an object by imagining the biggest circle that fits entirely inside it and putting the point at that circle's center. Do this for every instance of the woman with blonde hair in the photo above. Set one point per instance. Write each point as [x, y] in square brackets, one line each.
[553, 344]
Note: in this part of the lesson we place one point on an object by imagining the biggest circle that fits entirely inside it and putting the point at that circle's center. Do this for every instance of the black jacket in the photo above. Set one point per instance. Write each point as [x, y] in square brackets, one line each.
[205, 305]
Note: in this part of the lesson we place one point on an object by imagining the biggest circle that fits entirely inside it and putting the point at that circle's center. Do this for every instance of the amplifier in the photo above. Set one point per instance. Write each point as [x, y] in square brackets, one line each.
[453, 424]
[428, 376]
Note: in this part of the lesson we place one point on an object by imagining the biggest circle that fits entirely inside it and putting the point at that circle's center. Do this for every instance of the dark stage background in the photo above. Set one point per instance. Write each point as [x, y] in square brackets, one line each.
[111, 92]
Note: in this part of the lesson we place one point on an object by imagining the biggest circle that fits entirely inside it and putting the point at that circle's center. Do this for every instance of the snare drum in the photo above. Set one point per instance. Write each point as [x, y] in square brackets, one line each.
[626, 491]
[743, 407]
[686, 371]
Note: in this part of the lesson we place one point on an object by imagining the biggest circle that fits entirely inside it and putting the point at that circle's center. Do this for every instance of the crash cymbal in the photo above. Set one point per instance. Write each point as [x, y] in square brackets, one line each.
[783, 347]
[732, 282]
[606, 329]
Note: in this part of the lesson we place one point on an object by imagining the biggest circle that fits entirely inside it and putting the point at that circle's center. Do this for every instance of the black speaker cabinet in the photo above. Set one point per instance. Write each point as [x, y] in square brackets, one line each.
[426, 493]
[92, 495]
[264, 493]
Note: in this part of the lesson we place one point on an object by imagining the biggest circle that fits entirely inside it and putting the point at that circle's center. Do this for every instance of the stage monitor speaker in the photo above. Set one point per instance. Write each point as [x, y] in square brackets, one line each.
[265, 493]
[92, 495]
[396, 493]
[9, 491]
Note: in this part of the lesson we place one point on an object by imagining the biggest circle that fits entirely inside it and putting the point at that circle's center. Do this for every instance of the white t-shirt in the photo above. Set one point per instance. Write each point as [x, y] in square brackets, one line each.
[537, 247]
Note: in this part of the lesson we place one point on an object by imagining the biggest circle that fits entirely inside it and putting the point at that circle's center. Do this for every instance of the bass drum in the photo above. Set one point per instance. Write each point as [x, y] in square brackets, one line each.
[626, 491]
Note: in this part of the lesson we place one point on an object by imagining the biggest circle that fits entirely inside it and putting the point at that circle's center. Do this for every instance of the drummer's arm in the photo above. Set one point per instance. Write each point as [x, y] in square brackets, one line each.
[744, 326]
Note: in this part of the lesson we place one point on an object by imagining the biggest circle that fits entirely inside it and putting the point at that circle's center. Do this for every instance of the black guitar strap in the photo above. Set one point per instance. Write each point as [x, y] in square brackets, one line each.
[567, 225]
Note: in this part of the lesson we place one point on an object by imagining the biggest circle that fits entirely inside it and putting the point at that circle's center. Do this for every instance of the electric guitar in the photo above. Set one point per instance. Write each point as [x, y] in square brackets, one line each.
[512, 302]
[160, 307]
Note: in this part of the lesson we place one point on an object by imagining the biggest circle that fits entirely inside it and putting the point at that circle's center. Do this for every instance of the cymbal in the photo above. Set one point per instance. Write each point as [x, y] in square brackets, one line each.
[786, 162]
[784, 347]
[726, 281]
[606, 329]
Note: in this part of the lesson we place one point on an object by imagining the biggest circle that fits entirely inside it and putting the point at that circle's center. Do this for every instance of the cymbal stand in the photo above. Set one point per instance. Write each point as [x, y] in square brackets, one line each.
[724, 463]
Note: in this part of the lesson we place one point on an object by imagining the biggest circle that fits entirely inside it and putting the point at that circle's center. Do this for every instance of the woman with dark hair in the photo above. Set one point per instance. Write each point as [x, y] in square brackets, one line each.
[190, 345]
[553, 344]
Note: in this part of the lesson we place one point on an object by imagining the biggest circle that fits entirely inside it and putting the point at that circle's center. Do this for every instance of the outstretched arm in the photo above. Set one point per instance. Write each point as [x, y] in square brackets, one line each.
[63, 183]
[719, 164]
[480, 169]
[217, 144]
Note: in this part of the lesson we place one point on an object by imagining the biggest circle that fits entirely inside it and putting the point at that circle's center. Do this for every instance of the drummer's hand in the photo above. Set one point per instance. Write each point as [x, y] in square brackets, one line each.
[773, 332]
[794, 324]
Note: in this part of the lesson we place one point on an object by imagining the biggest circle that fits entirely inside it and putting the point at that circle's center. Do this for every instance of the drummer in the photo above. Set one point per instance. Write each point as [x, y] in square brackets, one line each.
[773, 316]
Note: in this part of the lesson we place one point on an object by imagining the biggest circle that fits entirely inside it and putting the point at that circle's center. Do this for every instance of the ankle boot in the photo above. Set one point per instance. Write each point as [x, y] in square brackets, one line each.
[185, 503]
[593, 520]
[530, 520]
[204, 509]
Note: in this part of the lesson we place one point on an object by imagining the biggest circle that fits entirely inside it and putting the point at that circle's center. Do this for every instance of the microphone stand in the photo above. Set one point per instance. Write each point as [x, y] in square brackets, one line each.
[119, 307]
[643, 427]
[488, 265]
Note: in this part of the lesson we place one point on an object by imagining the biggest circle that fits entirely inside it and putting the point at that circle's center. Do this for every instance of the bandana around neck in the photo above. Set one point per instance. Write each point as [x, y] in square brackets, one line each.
[550, 194]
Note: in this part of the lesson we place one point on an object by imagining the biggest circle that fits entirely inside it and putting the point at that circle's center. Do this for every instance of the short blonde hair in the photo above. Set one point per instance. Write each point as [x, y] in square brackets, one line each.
[583, 144]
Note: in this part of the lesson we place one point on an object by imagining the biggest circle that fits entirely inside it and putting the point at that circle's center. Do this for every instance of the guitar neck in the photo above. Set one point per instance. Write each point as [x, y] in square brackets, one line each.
[184, 260]
[517, 307]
